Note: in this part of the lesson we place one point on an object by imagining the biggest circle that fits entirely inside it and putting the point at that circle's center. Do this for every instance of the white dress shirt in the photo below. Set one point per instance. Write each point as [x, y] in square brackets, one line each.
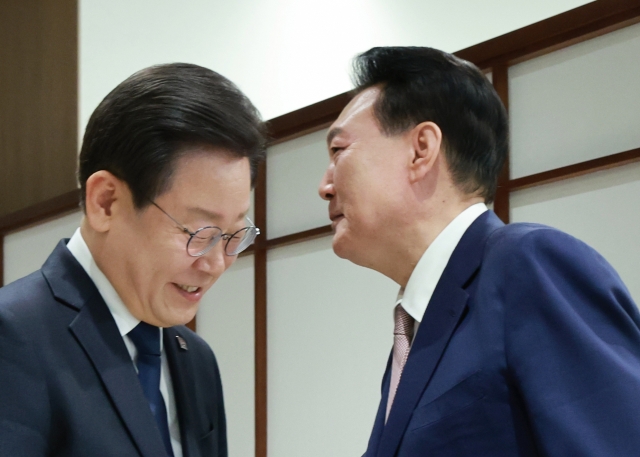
[126, 322]
[425, 276]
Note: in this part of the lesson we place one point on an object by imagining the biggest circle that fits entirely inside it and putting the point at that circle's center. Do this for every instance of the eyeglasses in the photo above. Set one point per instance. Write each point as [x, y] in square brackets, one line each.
[202, 240]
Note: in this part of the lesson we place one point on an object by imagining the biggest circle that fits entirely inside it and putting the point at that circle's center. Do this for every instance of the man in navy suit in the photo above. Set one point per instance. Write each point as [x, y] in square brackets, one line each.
[510, 340]
[95, 359]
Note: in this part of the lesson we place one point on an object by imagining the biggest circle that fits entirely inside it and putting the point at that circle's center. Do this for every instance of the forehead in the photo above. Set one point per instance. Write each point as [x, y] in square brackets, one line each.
[358, 114]
[211, 178]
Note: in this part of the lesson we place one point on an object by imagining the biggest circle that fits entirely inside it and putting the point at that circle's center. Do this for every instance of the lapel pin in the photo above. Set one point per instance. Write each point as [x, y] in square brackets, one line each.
[182, 343]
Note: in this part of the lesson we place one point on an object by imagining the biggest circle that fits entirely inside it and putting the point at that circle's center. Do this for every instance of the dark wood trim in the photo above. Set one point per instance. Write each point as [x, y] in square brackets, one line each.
[42, 211]
[192, 325]
[578, 169]
[307, 119]
[260, 265]
[571, 27]
[260, 313]
[300, 236]
[500, 78]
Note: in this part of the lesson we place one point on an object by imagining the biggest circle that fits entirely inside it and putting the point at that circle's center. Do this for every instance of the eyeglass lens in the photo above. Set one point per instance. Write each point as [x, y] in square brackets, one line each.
[205, 238]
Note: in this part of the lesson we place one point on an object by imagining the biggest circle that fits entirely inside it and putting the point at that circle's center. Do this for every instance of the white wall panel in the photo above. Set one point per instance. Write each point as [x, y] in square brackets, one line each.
[285, 54]
[294, 171]
[26, 250]
[576, 104]
[602, 209]
[226, 322]
[330, 333]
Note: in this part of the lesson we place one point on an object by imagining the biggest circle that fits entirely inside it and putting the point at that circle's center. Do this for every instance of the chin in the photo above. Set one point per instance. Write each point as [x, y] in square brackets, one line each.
[180, 317]
[187, 317]
[342, 248]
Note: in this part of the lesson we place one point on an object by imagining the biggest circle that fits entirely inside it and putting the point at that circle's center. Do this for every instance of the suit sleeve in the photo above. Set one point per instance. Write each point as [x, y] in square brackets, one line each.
[572, 342]
[24, 405]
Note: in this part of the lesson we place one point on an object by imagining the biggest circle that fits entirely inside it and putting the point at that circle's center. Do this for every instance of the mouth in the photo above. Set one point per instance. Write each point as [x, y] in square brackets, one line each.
[335, 216]
[186, 288]
[335, 219]
[191, 293]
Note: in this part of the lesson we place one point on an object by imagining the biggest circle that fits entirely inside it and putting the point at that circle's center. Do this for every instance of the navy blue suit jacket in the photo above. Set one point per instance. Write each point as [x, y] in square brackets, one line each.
[67, 383]
[530, 346]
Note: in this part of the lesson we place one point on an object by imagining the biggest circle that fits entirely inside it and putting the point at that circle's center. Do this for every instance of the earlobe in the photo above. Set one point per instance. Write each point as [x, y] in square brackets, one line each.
[426, 142]
[103, 190]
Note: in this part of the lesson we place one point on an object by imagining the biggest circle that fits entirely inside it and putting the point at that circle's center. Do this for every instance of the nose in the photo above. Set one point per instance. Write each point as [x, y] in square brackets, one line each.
[213, 262]
[326, 189]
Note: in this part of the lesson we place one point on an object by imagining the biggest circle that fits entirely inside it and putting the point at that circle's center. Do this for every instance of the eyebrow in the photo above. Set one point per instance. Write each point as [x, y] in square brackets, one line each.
[333, 133]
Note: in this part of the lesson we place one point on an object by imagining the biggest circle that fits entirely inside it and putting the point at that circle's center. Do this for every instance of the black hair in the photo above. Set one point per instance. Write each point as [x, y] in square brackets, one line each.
[156, 116]
[420, 84]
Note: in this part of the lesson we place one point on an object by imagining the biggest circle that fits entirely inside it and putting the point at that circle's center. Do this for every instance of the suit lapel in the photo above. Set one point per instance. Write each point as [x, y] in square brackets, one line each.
[446, 309]
[97, 333]
[183, 387]
[378, 425]
[438, 325]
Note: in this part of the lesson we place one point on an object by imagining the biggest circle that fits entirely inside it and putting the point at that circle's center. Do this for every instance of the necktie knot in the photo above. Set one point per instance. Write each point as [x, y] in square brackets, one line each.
[403, 322]
[146, 337]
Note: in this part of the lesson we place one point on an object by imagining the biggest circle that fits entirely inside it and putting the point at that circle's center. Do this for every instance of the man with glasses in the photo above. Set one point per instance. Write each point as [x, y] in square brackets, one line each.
[509, 340]
[95, 359]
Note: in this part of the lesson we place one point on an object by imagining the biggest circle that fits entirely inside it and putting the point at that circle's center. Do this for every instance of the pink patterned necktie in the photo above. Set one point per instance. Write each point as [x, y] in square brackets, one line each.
[402, 336]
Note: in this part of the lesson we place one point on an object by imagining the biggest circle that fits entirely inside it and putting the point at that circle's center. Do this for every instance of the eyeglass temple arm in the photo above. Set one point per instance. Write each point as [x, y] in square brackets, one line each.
[182, 227]
[253, 225]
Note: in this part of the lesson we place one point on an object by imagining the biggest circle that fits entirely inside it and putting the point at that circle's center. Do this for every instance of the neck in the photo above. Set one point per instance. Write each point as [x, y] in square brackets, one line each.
[417, 235]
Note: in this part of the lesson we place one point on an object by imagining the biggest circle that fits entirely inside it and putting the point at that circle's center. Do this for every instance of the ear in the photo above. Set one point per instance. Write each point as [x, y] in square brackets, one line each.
[103, 199]
[426, 141]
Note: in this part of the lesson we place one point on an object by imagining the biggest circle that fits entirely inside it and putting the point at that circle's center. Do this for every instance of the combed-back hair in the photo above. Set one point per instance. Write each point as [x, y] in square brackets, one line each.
[156, 116]
[420, 84]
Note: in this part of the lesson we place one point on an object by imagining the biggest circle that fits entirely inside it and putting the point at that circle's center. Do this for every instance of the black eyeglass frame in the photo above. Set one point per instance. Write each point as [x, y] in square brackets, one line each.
[252, 233]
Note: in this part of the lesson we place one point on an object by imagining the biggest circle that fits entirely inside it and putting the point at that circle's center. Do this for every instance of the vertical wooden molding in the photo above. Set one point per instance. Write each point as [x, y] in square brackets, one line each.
[501, 203]
[260, 281]
[192, 324]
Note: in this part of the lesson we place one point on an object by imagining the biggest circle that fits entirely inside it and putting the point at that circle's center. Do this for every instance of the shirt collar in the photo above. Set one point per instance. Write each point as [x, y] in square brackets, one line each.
[121, 314]
[425, 276]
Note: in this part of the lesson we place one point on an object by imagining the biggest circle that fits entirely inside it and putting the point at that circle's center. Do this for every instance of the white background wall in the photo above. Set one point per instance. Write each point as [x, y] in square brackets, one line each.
[576, 104]
[226, 322]
[330, 331]
[285, 54]
[26, 250]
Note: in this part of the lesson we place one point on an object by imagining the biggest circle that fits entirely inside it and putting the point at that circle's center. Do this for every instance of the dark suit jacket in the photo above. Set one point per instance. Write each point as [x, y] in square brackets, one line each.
[530, 346]
[67, 383]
